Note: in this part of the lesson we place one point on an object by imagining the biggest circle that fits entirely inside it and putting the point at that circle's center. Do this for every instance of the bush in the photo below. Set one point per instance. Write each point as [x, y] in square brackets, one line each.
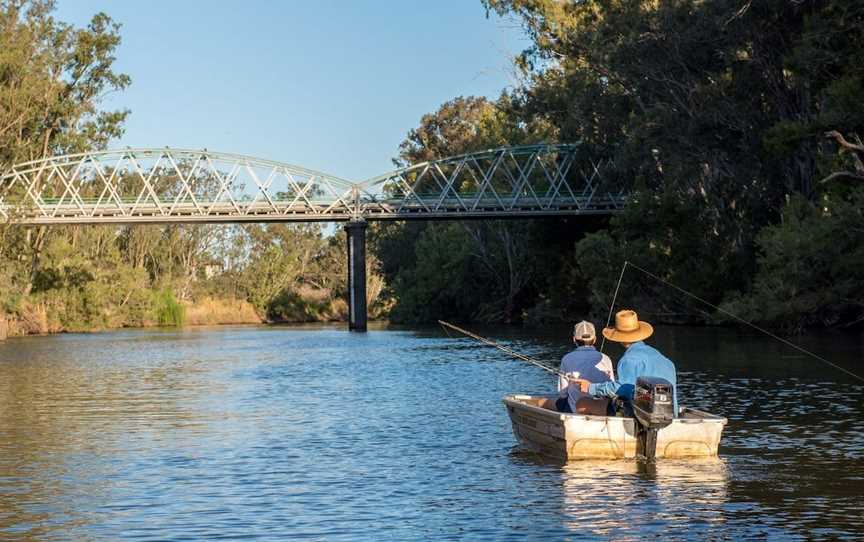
[168, 311]
[673, 238]
[809, 269]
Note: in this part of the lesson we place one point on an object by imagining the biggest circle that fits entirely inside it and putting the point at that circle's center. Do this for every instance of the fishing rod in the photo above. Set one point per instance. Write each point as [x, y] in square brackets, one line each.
[503, 348]
[724, 311]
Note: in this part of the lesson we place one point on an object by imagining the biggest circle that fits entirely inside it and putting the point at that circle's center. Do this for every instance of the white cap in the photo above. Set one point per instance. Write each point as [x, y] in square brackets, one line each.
[584, 331]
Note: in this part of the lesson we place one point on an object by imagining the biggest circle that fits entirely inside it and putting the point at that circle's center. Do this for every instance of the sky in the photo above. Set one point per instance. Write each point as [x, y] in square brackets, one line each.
[328, 85]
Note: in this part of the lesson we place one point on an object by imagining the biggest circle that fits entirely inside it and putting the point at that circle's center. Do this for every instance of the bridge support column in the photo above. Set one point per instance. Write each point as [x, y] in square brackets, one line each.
[356, 230]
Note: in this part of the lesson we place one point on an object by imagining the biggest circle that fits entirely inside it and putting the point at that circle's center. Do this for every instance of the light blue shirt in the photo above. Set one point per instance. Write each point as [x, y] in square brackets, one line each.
[586, 363]
[639, 360]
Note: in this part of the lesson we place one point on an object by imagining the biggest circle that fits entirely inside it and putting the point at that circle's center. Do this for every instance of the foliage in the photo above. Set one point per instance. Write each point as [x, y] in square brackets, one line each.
[464, 125]
[97, 277]
[53, 78]
[441, 282]
[717, 112]
[659, 233]
[471, 270]
[810, 271]
[168, 311]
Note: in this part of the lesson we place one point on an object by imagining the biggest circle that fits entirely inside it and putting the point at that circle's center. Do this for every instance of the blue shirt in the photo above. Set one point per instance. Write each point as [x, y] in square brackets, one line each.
[639, 360]
[586, 363]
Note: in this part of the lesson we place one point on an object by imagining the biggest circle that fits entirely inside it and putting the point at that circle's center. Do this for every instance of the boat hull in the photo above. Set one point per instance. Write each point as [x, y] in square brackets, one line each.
[576, 436]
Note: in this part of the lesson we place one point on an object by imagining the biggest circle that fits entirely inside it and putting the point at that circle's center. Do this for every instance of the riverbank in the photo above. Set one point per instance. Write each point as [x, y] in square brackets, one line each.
[39, 319]
[84, 310]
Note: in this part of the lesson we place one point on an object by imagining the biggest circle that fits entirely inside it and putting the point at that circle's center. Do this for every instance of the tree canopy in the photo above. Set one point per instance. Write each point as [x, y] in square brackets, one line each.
[726, 117]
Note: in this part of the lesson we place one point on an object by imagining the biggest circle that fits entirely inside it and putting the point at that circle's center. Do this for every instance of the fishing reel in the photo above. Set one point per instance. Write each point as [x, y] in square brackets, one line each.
[653, 410]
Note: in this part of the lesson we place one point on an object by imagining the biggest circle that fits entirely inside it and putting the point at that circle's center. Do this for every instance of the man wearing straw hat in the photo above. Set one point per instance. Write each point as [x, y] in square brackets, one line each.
[638, 360]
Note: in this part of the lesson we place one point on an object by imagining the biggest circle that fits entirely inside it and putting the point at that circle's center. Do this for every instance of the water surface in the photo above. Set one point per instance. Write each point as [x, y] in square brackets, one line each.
[315, 433]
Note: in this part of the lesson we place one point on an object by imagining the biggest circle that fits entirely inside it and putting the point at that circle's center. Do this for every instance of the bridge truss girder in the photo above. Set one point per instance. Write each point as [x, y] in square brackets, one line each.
[529, 181]
[176, 185]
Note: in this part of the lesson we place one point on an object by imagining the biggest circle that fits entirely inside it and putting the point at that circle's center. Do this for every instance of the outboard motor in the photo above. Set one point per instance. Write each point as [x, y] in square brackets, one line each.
[652, 407]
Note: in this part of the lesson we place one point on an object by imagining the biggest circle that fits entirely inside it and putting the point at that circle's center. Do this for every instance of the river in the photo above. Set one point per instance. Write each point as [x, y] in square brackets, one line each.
[311, 432]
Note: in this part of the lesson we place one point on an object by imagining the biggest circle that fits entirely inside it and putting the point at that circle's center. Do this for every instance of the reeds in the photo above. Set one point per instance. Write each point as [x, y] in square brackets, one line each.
[209, 311]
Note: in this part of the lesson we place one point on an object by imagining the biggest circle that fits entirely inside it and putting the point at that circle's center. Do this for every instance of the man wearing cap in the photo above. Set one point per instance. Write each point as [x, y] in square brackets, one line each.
[587, 364]
[638, 360]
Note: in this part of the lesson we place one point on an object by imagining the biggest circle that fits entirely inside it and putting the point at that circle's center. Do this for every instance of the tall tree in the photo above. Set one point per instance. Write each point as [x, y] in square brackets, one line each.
[490, 259]
[53, 78]
[715, 110]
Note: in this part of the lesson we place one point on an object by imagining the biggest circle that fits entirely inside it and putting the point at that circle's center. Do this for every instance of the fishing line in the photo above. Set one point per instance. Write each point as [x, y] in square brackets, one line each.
[612, 306]
[517, 355]
[736, 317]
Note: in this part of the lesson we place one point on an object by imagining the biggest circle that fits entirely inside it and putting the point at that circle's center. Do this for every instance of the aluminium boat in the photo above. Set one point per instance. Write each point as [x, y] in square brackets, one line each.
[693, 433]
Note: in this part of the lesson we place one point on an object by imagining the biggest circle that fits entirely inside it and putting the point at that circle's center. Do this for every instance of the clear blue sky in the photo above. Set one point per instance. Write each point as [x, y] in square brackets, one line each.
[328, 85]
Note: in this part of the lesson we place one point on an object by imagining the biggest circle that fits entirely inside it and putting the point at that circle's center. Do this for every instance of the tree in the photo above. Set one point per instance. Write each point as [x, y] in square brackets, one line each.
[491, 259]
[52, 80]
[280, 255]
[855, 150]
[810, 271]
[716, 112]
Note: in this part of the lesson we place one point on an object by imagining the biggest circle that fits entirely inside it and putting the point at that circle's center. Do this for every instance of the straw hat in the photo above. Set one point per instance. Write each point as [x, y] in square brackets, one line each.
[628, 328]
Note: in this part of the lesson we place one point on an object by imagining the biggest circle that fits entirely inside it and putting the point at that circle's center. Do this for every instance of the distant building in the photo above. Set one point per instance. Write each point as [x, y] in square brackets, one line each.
[212, 269]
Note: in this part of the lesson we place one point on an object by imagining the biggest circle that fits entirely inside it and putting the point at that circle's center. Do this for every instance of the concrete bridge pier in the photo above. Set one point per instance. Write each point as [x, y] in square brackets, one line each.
[356, 230]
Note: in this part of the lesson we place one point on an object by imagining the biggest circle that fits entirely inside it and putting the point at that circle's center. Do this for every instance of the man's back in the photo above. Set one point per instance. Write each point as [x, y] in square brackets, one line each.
[589, 363]
[585, 363]
[643, 360]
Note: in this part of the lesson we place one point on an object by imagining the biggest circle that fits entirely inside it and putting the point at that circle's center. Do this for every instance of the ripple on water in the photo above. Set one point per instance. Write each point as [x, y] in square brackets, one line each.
[315, 433]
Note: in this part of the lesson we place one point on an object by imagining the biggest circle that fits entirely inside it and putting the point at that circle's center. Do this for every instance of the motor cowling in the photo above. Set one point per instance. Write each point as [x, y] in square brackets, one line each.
[654, 410]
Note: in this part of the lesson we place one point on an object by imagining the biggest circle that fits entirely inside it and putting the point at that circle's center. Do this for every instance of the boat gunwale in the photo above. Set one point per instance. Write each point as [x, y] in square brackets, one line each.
[513, 399]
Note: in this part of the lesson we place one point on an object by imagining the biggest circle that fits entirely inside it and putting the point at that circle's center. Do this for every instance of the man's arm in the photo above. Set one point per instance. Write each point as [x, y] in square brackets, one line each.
[604, 389]
[621, 387]
[611, 389]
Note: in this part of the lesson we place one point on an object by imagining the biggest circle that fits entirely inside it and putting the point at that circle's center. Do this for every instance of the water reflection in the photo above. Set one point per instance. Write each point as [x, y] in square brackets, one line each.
[66, 426]
[270, 433]
[621, 499]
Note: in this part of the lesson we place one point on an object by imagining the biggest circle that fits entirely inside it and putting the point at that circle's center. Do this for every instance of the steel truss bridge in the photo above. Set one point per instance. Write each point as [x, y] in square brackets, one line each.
[174, 185]
[157, 186]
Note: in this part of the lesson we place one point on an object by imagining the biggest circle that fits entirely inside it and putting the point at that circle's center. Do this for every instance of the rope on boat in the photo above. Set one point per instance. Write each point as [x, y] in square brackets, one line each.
[503, 348]
[727, 313]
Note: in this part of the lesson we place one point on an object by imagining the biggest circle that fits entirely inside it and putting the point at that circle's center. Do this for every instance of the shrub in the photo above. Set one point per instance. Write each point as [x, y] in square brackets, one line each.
[168, 311]
[810, 271]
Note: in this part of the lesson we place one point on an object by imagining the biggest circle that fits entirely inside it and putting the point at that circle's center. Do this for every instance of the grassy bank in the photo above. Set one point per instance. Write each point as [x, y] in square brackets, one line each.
[211, 311]
[44, 317]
